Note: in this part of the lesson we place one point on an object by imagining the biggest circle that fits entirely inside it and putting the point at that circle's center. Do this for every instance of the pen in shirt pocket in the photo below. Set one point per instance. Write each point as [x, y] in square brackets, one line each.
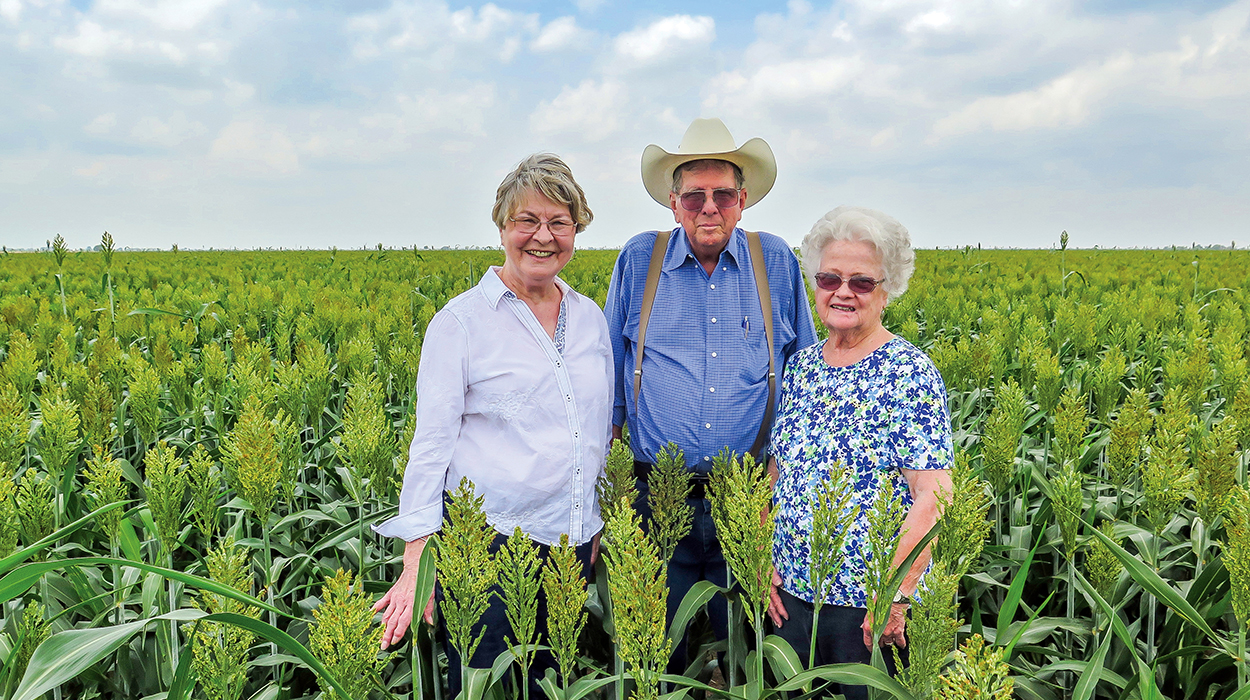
[746, 327]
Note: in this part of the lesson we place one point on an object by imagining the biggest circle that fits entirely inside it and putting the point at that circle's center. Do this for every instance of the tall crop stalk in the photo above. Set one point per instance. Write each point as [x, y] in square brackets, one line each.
[741, 495]
[251, 449]
[106, 250]
[467, 571]
[166, 487]
[344, 637]
[566, 599]
[885, 522]
[1237, 561]
[637, 575]
[671, 515]
[832, 517]
[518, 567]
[59, 251]
[616, 488]
[368, 445]
[105, 485]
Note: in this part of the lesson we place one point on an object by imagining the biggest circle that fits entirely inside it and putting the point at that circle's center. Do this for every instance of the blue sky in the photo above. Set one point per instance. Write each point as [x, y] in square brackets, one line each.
[242, 123]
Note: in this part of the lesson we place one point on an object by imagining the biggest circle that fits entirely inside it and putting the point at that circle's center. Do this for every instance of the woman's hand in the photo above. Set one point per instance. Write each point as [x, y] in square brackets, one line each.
[894, 627]
[776, 611]
[594, 548]
[398, 601]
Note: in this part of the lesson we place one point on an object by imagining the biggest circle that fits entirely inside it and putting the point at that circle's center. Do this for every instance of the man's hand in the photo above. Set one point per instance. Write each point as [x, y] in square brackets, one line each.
[894, 627]
[616, 432]
[594, 548]
[776, 611]
[398, 601]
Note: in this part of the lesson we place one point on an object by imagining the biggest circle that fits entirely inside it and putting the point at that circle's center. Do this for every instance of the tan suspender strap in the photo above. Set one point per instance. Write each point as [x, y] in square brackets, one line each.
[766, 307]
[648, 299]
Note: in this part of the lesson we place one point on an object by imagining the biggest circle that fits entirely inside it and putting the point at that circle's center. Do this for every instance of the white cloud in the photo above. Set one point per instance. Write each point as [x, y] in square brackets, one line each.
[560, 34]
[1066, 101]
[11, 10]
[430, 27]
[789, 81]
[92, 40]
[933, 20]
[591, 110]
[102, 124]
[255, 148]
[176, 15]
[589, 5]
[666, 36]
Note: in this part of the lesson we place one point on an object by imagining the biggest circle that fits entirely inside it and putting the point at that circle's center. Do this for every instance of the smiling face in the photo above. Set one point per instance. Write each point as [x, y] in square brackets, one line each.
[843, 311]
[534, 259]
[709, 228]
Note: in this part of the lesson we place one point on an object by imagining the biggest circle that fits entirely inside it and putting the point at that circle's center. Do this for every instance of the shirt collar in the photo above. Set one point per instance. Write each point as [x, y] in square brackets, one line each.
[494, 289]
[679, 249]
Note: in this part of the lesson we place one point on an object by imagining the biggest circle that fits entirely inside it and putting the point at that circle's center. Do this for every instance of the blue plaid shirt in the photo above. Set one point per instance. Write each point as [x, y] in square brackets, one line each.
[705, 370]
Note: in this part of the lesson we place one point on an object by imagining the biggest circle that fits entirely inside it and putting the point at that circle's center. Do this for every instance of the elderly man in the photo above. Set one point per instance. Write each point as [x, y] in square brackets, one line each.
[694, 361]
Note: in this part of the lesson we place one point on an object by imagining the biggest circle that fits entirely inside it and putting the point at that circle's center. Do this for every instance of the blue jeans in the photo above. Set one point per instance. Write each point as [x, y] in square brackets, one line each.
[839, 639]
[698, 557]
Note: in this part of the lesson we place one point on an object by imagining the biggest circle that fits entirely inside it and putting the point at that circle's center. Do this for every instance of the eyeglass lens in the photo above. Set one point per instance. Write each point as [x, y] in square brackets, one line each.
[527, 224]
[723, 198]
[830, 282]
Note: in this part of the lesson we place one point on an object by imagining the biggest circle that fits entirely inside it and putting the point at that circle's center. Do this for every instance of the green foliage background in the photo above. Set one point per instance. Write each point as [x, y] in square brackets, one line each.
[297, 330]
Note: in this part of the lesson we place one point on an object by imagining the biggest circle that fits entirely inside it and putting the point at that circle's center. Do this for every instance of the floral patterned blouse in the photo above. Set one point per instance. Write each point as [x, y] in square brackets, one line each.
[884, 413]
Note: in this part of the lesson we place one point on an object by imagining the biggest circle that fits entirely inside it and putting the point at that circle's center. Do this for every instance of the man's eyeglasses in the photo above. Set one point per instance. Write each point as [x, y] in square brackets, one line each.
[557, 227]
[723, 198]
[859, 284]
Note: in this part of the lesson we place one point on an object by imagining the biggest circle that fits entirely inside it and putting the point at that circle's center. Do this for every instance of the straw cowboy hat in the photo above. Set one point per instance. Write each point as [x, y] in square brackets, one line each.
[710, 138]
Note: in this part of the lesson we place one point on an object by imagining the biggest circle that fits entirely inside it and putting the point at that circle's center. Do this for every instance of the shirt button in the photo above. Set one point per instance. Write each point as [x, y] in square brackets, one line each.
[577, 506]
[568, 398]
[713, 354]
[725, 269]
[713, 319]
[711, 388]
[707, 459]
[576, 435]
[712, 286]
[557, 363]
[707, 425]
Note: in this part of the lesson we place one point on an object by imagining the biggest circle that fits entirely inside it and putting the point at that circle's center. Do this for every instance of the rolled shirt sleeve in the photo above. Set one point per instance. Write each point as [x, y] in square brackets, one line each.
[441, 381]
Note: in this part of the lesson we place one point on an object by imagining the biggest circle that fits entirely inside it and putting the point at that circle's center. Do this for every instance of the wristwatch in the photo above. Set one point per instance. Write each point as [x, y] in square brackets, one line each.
[901, 598]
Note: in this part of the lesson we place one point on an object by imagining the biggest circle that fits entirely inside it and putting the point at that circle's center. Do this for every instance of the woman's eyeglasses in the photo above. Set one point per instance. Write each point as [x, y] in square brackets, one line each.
[557, 227]
[859, 284]
[723, 198]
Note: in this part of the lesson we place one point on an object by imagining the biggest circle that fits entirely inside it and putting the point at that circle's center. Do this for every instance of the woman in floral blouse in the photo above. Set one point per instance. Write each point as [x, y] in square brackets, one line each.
[871, 401]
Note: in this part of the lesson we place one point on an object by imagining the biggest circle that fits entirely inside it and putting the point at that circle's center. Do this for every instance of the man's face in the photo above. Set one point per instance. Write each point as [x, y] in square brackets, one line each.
[708, 228]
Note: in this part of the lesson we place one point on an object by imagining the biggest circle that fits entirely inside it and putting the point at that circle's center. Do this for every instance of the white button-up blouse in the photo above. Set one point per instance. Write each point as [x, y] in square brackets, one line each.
[497, 402]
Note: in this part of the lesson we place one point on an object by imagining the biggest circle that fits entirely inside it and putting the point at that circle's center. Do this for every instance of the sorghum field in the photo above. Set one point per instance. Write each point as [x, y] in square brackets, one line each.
[194, 444]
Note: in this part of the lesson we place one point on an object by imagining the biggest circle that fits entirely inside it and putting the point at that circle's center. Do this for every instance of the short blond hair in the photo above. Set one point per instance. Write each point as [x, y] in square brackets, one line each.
[545, 174]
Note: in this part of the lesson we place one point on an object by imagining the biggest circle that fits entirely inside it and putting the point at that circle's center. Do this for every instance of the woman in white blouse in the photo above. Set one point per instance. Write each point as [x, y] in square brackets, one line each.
[514, 392]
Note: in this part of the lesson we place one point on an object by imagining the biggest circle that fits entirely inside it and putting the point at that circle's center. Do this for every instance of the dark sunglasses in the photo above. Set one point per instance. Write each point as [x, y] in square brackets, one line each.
[859, 284]
[723, 198]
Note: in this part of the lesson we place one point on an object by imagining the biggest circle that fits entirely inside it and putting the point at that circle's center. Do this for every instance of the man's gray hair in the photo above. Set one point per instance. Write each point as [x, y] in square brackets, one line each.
[883, 231]
[545, 174]
[740, 180]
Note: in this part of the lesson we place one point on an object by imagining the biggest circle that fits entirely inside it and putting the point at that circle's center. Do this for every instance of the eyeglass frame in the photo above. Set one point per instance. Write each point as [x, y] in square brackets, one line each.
[539, 223]
[859, 279]
[737, 194]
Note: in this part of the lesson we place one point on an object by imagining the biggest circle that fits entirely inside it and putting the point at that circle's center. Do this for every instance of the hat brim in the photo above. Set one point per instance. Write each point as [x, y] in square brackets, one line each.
[755, 158]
